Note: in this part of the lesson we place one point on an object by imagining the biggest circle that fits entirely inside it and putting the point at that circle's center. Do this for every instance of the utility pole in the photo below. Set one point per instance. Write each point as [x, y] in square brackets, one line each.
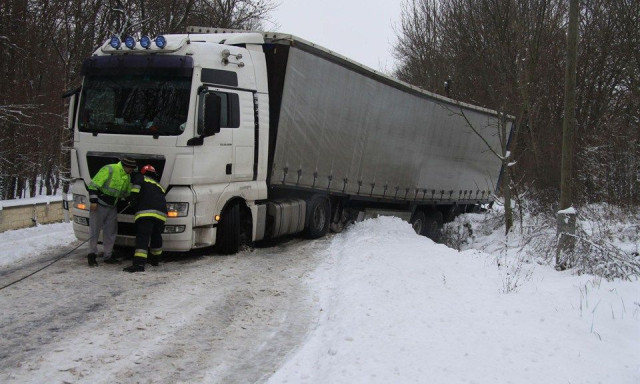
[566, 217]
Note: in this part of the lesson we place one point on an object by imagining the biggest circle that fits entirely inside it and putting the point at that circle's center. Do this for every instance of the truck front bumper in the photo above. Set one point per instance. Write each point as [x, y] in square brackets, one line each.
[178, 235]
[126, 237]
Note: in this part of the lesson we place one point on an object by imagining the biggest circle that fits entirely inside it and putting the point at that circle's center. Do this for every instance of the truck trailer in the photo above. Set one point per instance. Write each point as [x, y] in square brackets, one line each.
[258, 135]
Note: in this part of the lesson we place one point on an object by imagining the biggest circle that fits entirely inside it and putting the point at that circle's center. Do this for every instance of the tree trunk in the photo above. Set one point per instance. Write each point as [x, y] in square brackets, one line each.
[506, 172]
[568, 124]
[565, 242]
[33, 182]
[506, 192]
[48, 183]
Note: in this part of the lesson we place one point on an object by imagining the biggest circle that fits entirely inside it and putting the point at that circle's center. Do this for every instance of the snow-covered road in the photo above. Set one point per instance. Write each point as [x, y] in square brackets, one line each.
[376, 304]
[215, 319]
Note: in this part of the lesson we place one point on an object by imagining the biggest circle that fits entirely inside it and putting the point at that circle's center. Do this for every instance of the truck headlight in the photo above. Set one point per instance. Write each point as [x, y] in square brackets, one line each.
[177, 209]
[80, 202]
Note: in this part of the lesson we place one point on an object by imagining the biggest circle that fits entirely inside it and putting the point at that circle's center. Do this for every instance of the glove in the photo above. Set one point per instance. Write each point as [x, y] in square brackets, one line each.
[91, 258]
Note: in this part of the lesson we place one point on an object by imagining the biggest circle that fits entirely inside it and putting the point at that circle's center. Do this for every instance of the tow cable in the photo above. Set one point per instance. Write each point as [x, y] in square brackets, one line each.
[46, 266]
[54, 261]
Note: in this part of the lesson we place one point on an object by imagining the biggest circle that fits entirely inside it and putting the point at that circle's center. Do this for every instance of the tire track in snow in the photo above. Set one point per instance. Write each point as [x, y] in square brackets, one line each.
[205, 319]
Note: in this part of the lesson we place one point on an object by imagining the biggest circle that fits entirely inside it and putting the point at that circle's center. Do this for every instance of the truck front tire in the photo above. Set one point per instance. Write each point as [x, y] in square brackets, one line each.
[228, 236]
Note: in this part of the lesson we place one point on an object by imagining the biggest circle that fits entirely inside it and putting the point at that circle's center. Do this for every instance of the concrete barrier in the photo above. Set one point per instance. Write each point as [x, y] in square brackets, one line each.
[24, 213]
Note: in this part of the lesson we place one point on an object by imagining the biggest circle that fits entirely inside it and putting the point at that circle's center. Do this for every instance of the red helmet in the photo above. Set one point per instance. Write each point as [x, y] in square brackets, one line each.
[148, 168]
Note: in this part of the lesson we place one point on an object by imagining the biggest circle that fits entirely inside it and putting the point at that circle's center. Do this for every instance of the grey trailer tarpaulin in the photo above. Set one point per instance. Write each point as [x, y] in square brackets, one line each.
[342, 131]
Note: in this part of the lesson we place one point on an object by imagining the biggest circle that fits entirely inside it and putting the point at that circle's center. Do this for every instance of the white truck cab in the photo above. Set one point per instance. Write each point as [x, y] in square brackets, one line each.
[149, 104]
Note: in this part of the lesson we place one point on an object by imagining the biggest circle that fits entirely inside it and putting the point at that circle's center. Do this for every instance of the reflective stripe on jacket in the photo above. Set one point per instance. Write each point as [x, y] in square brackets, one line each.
[110, 184]
[149, 197]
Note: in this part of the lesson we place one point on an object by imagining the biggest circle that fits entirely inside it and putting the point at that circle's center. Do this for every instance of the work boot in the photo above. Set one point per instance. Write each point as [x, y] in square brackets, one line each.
[111, 260]
[153, 260]
[134, 268]
[91, 258]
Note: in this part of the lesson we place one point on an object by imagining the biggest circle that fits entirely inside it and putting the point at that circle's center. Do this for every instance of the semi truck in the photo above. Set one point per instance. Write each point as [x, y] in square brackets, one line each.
[257, 135]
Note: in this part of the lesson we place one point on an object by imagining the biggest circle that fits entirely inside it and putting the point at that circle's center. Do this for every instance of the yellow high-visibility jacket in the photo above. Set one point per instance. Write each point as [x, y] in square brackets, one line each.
[109, 185]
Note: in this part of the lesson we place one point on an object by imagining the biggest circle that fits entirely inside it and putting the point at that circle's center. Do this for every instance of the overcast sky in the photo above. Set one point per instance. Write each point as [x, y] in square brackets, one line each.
[358, 29]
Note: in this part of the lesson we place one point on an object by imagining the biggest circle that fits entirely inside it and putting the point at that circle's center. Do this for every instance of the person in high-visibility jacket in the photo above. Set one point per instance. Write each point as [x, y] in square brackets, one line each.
[147, 197]
[111, 184]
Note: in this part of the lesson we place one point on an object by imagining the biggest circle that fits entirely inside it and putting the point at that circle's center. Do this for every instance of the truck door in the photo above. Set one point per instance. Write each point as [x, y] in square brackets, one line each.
[215, 152]
[229, 154]
[244, 139]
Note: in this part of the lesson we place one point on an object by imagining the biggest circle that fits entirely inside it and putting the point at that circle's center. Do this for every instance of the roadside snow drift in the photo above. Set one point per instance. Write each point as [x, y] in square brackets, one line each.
[397, 308]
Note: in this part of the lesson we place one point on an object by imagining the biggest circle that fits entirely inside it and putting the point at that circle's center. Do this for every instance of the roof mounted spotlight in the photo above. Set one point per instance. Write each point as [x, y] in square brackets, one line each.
[161, 42]
[115, 42]
[130, 42]
[145, 42]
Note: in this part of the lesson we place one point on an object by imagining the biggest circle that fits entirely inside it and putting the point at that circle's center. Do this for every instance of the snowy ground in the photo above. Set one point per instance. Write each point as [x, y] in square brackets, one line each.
[30, 243]
[374, 304]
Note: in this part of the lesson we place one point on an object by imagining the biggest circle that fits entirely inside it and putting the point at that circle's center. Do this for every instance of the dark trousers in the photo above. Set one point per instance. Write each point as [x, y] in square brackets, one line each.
[148, 236]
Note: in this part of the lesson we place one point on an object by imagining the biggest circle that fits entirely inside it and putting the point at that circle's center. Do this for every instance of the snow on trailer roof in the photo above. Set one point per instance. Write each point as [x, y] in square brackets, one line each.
[236, 36]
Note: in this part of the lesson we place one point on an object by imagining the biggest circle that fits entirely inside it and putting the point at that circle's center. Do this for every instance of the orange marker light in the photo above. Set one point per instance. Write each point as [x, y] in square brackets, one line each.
[172, 214]
[81, 206]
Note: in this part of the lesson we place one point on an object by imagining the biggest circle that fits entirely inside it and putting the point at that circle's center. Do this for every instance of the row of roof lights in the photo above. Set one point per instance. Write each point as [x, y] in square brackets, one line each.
[145, 42]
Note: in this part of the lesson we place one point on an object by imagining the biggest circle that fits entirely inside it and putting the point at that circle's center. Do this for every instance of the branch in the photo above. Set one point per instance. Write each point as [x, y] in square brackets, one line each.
[470, 125]
[13, 113]
[617, 257]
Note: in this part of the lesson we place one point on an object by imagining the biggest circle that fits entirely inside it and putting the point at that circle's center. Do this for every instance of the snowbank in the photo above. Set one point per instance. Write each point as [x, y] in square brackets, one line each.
[29, 243]
[397, 308]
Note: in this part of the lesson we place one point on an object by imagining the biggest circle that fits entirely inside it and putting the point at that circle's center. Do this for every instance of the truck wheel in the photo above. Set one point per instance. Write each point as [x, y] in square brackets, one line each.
[433, 227]
[418, 222]
[228, 237]
[318, 217]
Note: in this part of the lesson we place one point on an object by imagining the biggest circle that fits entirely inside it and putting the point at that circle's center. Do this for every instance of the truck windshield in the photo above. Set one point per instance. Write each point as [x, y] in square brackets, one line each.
[134, 104]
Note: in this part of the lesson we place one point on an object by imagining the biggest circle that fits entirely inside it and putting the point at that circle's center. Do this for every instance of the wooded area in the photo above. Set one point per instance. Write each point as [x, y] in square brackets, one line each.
[43, 44]
[506, 55]
[510, 56]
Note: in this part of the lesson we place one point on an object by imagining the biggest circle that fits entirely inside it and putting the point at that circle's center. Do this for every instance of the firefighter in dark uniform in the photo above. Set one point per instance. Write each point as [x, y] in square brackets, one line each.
[147, 198]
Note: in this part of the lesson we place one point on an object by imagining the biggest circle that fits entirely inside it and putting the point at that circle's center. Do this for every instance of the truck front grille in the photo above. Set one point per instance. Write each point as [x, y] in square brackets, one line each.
[127, 229]
[97, 160]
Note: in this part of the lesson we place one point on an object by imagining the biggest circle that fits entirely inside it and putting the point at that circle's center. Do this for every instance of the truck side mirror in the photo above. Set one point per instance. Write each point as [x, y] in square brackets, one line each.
[209, 107]
[211, 112]
[72, 111]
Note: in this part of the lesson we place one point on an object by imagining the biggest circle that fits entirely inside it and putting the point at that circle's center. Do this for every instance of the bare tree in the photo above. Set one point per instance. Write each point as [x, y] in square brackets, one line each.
[490, 53]
[608, 103]
[510, 56]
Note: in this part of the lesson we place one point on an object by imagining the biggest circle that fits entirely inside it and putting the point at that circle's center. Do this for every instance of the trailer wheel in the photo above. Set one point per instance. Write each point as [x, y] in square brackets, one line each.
[433, 227]
[318, 217]
[228, 238]
[418, 222]
[450, 214]
[340, 219]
